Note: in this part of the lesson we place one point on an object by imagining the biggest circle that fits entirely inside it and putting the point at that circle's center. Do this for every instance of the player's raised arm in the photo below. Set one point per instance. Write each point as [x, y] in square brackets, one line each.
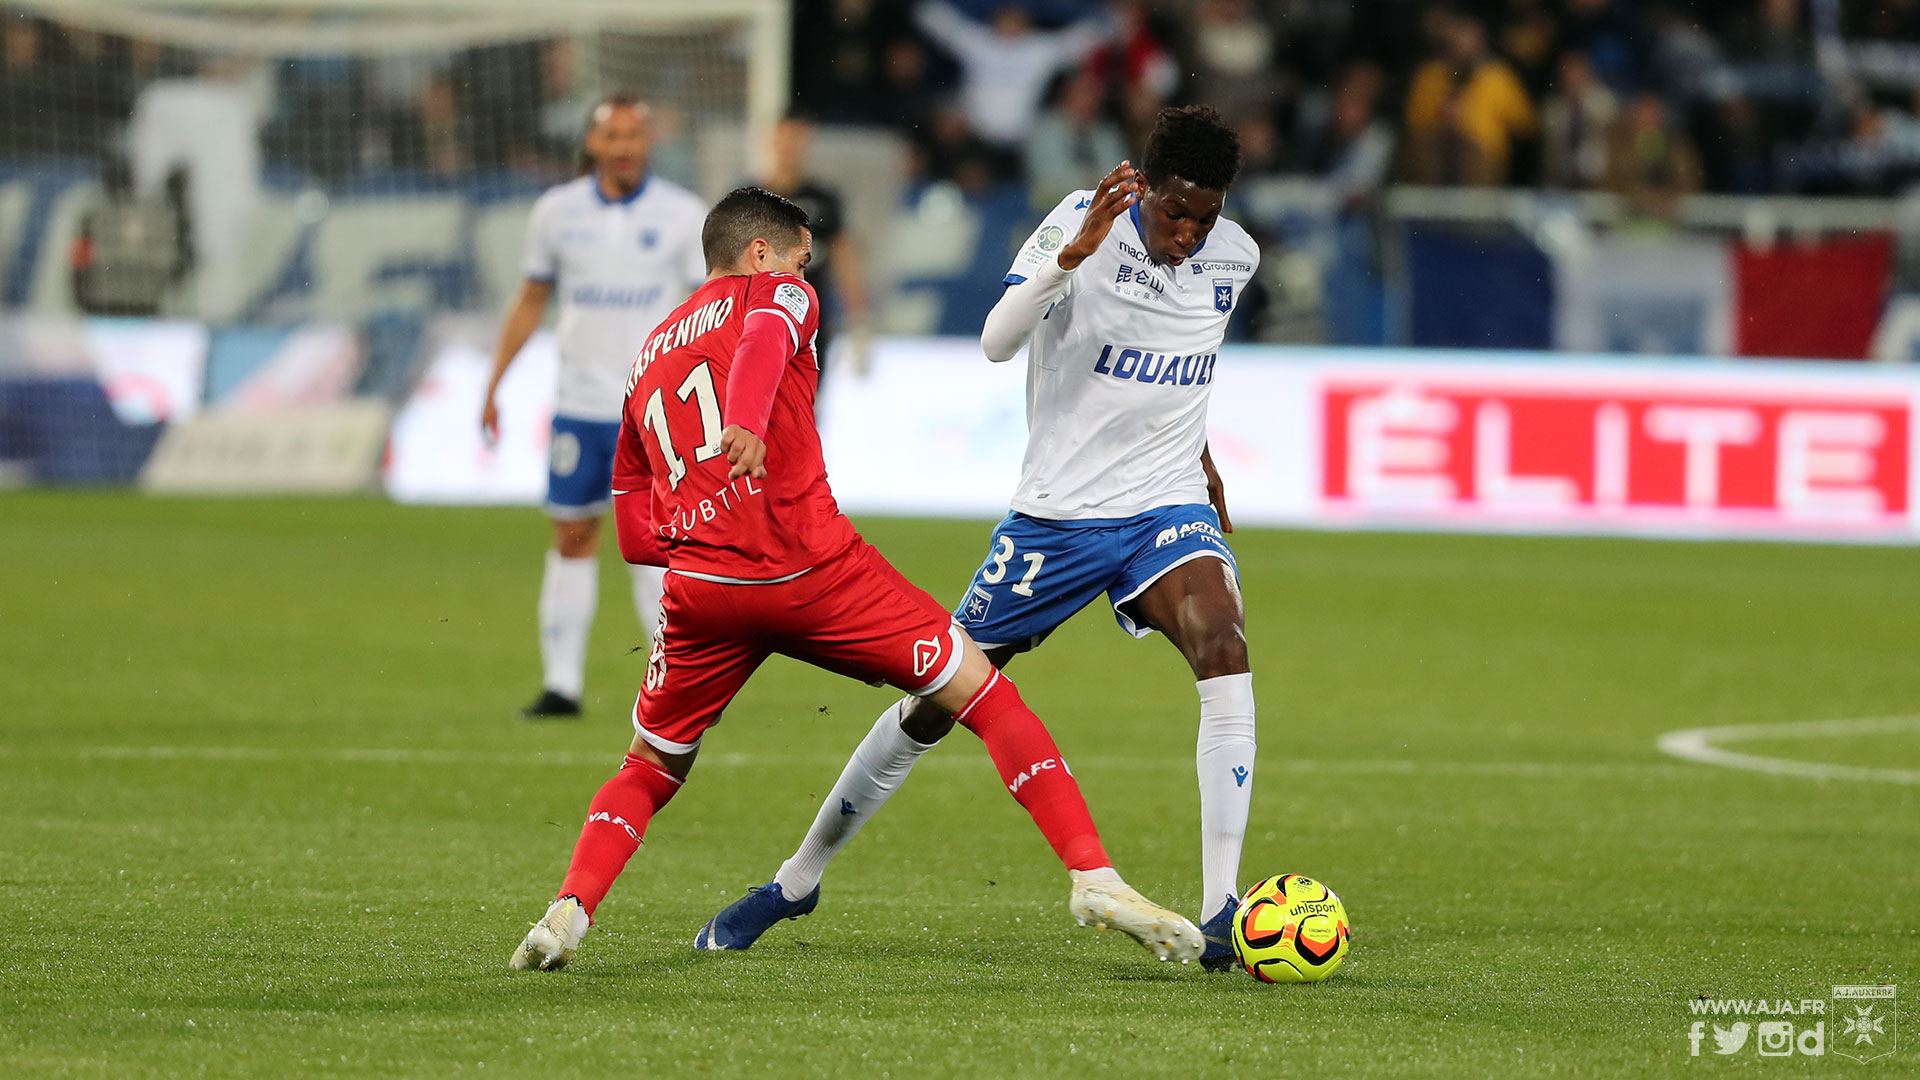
[1040, 274]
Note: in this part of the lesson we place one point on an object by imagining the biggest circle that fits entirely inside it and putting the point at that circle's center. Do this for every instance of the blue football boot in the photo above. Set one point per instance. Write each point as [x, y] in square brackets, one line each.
[1219, 933]
[741, 923]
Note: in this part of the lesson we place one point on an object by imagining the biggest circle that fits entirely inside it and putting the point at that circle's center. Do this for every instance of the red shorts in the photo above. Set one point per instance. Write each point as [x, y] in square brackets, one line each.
[855, 615]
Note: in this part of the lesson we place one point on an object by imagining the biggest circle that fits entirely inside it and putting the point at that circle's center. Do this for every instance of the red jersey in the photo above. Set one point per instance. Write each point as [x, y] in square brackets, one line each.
[738, 351]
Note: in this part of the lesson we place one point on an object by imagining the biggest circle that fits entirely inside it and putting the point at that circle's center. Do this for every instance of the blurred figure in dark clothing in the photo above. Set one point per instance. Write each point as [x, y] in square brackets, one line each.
[903, 102]
[837, 271]
[1612, 35]
[840, 55]
[947, 149]
[1652, 162]
[1577, 126]
[1770, 32]
[1738, 156]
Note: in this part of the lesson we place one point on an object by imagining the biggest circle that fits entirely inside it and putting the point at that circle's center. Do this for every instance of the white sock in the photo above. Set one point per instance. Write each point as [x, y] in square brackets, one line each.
[648, 583]
[1224, 761]
[878, 767]
[569, 592]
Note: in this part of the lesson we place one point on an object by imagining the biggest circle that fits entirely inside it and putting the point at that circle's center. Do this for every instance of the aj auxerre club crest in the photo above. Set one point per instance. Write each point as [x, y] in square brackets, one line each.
[1222, 294]
[1866, 1021]
[978, 601]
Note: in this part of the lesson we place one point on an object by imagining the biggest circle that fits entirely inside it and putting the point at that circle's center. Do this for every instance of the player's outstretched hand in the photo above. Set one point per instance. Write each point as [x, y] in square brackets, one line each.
[745, 452]
[1117, 191]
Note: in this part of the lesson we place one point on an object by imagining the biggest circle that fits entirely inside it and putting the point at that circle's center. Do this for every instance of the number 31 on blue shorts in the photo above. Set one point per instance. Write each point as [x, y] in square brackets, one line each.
[1039, 573]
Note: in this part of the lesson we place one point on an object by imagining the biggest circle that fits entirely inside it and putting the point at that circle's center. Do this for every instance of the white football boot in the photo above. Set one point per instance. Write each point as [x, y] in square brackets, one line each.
[554, 939]
[1115, 905]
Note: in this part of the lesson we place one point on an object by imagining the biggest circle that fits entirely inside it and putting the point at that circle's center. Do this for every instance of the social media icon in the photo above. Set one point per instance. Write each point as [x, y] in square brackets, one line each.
[1813, 1040]
[1730, 1040]
[1775, 1038]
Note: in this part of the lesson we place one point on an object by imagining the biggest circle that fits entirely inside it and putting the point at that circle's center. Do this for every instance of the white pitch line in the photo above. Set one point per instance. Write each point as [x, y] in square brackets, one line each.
[1702, 745]
[1519, 770]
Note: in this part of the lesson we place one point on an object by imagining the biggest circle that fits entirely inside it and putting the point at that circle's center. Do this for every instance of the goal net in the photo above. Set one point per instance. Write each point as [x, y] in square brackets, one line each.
[247, 160]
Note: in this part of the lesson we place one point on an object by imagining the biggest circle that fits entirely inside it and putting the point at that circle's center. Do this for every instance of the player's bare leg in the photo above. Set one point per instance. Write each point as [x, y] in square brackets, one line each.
[1197, 606]
[569, 596]
[617, 819]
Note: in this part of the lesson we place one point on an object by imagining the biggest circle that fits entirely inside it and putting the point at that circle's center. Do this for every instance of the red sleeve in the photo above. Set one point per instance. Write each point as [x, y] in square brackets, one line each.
[633, 500]
[782, 312]
[633, 520]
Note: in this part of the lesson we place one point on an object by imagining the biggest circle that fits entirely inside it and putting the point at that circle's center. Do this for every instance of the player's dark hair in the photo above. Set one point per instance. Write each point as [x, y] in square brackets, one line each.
[747, 214]
[618, 99]
[1194, 144]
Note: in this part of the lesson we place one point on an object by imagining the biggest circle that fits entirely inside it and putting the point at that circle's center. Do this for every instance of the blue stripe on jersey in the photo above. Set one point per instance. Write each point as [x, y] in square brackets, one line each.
[1014, 279]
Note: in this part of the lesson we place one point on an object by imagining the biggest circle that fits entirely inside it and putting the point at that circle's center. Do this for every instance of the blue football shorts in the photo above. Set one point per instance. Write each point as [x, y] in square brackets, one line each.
[1039, 573]
[580, 468]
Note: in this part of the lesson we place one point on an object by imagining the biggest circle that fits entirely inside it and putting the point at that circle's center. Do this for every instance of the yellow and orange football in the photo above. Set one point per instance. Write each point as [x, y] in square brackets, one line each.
[1291, 929]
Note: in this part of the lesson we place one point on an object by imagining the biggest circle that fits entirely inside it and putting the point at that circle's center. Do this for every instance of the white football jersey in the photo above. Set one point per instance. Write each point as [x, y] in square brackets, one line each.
[1120, 369]
[617, 268]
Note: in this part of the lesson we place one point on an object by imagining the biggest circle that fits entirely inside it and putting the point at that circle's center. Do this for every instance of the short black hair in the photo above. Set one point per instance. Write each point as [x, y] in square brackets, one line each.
[747, 214]
[1194, 144]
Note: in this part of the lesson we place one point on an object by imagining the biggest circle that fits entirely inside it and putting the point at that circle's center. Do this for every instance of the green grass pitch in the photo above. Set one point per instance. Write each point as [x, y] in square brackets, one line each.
[265, 811]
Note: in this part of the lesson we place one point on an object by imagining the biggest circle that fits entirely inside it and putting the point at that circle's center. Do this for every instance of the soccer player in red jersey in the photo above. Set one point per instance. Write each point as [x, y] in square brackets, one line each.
[718, 477]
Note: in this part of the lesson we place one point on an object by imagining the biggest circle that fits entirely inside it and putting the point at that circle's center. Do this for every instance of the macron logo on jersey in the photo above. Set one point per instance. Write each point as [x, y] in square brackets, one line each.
[1157, 369]
[702, 319]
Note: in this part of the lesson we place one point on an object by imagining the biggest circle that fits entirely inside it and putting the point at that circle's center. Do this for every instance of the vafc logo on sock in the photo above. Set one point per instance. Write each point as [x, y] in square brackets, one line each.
[1034, 770]
[614, 819]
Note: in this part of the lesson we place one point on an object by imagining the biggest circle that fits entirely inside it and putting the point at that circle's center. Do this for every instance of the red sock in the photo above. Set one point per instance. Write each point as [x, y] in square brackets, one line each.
[616, 820]
[1034, 771]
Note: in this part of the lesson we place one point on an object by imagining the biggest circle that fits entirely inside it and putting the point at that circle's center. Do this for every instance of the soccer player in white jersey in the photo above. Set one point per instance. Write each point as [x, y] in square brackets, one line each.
[621, 248]
[1122, 296]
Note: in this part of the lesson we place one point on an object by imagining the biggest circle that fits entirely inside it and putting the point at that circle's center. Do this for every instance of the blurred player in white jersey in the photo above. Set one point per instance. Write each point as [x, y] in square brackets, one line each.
[621, 248]
[1122, 296]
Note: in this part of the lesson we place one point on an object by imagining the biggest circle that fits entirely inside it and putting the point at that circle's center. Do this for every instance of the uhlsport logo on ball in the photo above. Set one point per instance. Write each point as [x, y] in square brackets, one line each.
[1291, 929]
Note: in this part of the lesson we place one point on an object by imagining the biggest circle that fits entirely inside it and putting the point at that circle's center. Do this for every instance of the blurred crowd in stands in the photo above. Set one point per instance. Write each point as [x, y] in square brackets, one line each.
[1650, 98]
